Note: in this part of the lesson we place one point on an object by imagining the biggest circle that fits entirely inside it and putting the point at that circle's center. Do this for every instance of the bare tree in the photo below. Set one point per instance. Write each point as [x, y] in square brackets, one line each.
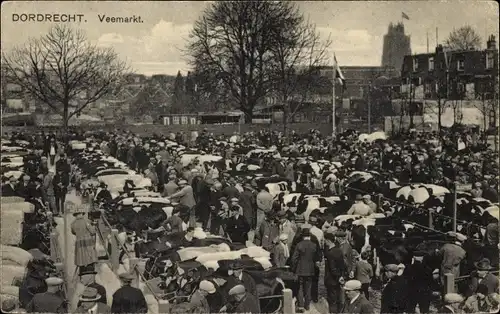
[234, 40]
[64, 70]
[297, 52]
[463, 38]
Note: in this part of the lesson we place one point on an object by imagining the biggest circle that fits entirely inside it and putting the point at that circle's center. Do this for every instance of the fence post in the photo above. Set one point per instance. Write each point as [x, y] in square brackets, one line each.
[115, 253]
[133, 261]
[431, 221]
[288, 305]
[379, 202]
[449, 283]
[163, 306]
[454, 207]
[54, 247]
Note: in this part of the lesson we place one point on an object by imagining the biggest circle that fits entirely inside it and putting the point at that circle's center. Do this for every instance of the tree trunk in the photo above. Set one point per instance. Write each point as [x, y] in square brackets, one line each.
[285, 120]
[439, 117]
[65, 124]
[248, 115]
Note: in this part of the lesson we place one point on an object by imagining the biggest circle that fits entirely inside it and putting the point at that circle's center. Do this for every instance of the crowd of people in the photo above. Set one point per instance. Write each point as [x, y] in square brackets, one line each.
[241, 209]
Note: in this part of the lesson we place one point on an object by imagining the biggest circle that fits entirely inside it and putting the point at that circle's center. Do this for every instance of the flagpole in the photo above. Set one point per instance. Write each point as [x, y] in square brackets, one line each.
[334, 128]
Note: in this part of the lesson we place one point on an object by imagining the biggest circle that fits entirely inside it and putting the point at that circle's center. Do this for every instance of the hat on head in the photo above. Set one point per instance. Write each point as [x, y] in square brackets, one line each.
[419, 254]
[283, 237]
[207, 286]
[300, 220]
[313, 219]
[238, 289]
[367, 197]
[236, 266]
[451, 298]
[54, 281]
[352, 285]
[359, 197]
[127, 277]
[88, 272]
[483, 264]
[306, 232]
[90, 295]
[340, 234]
[235, 199]
[182, 182]
[392, 268]
[8, 305]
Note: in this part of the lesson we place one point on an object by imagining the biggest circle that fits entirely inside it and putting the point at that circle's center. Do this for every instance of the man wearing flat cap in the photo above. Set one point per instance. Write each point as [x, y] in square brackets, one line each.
[240, 301]
[452, 254]
[305, 257]
[452, 303]
[128, 299]
[199, 300]
[395, 294]
[482, 276]
[50, 301]
[356, 301]
[90, 302]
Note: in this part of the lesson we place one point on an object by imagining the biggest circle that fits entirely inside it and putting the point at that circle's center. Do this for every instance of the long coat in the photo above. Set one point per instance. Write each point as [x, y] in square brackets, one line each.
[128, 299]
[85, 251]
[265, 235]
[304, 256]
[237, 229]
[249, 304]
[249, 205]
[394, 296]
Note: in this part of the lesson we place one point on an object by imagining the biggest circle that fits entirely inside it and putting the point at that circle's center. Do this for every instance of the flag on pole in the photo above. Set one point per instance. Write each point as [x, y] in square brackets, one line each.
[338, 72]
[405, 16]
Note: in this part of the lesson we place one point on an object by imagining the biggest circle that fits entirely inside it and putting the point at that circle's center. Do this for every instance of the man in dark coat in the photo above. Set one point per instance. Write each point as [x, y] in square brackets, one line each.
[50, 301]
[357, 301]
[63, 165]
[240, 277]
[395, 294]
[249, 205]
[278, 167]
[306, 256]
[9, 189]
[335, 273]
[482, 275]
[420, 277]
[128, 299]
[452, 303]
[61, 183]
[237, 226]
[242, 301]
[230, 191]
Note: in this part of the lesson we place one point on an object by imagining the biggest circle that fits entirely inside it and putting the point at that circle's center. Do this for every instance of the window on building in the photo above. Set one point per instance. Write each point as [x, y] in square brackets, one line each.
[184, 120]
[460, 65]
[175, 120]
[492, 119]
[415, 64]
[490, 60]
[431, 63]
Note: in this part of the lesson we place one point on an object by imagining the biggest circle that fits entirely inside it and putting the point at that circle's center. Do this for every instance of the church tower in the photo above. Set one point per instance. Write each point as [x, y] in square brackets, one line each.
[396, 46]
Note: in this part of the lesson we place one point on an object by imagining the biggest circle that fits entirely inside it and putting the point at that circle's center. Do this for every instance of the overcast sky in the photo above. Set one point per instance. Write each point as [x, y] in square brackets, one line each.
[157, 44]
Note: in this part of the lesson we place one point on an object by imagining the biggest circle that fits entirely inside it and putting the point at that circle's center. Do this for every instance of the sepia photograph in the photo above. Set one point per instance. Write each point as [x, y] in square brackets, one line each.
[276, 157]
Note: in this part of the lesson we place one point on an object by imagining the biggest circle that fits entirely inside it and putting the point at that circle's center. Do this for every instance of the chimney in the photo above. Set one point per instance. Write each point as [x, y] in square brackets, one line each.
[491, 44]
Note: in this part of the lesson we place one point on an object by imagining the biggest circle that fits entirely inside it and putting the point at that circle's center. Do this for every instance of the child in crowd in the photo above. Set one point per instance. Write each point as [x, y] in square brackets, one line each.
[364, 273]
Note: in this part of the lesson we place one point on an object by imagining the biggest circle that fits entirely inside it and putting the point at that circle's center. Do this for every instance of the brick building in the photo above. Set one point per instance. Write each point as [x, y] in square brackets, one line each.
[458, 80]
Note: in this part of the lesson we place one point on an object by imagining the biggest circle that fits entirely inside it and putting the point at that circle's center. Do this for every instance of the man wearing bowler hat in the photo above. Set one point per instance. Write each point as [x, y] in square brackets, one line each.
[482, 276]
[240, 277]
[128, 299]
[90, 303]
[50, 301]
[356, 301]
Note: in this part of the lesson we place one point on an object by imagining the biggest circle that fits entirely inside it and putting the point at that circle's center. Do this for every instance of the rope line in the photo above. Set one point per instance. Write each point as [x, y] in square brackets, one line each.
[136, 267]
[422, 210]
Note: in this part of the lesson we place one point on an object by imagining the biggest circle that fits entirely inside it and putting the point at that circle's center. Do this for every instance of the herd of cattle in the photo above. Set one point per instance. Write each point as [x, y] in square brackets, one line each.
[394, 232]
